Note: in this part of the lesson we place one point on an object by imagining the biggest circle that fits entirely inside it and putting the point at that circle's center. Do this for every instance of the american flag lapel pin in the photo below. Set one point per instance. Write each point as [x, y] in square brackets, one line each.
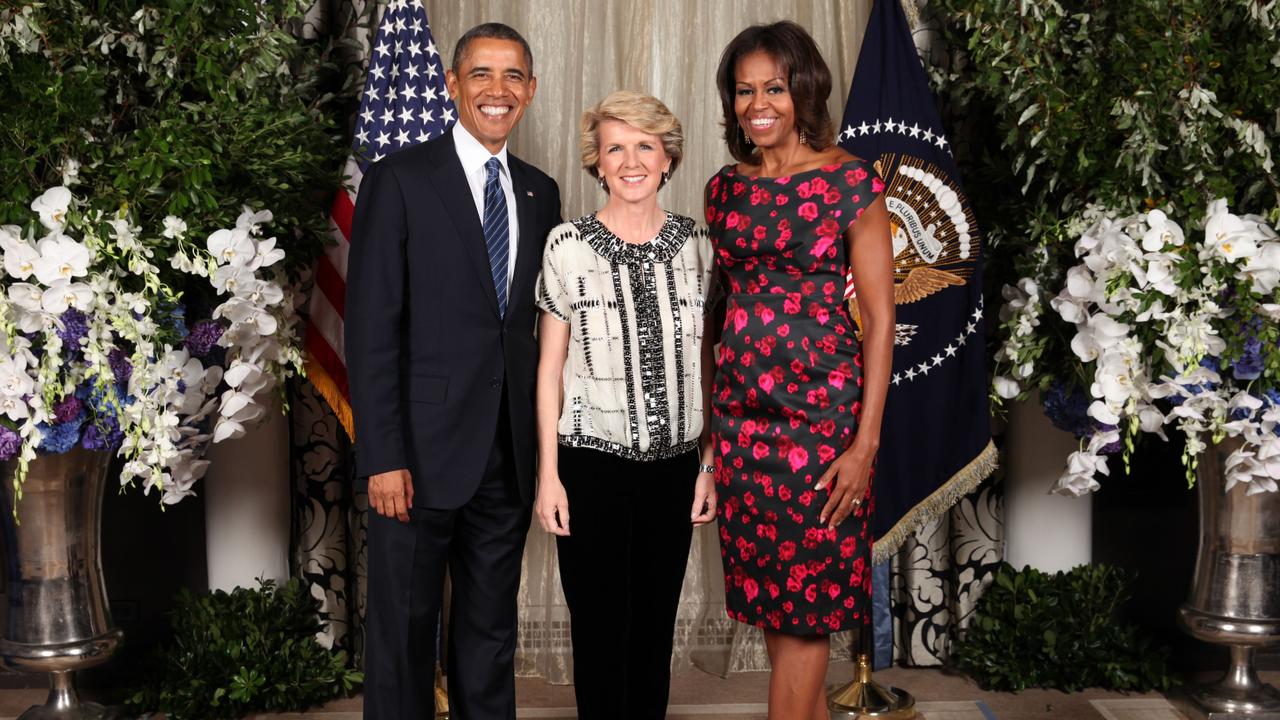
[528, 193]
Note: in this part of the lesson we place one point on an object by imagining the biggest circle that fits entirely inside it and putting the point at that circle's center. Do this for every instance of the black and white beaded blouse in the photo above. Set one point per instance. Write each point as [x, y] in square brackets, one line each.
[633, 375]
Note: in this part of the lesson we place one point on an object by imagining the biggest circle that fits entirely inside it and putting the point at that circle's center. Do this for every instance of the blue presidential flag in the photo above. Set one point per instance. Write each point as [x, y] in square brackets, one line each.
[936, 444]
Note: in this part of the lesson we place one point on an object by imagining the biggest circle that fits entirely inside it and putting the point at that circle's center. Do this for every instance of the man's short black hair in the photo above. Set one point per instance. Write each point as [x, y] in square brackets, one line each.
[494, 31]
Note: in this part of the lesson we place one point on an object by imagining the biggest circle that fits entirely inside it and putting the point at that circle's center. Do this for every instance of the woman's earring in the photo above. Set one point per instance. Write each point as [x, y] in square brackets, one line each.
[603, 185]
[666, 175]
[746, 136]
[802, 137]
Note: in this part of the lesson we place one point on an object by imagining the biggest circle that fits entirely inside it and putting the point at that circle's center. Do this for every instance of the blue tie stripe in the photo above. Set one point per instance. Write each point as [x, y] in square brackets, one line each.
[497, 235]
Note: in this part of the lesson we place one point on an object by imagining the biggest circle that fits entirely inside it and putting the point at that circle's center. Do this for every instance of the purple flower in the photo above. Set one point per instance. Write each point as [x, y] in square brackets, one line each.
[10, 443]
[68, 409]
[102, 435]
[74, 327]
[203, 337]
[1068, 409]
[120, 367]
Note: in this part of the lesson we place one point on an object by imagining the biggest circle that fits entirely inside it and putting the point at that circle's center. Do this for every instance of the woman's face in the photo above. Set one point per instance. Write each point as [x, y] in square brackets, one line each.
[762, 100]
[631, 161]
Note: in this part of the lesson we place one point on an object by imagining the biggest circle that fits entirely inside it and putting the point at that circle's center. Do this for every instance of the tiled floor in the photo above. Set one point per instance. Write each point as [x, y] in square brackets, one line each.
[698, 696]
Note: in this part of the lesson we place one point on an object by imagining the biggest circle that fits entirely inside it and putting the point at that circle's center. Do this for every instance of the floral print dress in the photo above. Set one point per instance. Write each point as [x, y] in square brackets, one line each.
[787, 396]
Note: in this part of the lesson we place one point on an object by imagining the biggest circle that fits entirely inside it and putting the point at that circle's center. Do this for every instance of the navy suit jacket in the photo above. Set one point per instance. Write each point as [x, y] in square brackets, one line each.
[427, 353]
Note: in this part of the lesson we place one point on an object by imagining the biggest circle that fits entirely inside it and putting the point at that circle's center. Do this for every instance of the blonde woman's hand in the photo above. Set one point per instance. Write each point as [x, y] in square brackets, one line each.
[704, 500]
[552, 506]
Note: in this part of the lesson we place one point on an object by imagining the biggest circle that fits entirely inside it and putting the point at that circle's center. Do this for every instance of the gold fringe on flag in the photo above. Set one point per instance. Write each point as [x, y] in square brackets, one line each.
[329, 391]
[960, 484]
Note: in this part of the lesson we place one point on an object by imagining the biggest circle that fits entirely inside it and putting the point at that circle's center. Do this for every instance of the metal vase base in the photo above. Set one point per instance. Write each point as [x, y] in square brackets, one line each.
[64, 703]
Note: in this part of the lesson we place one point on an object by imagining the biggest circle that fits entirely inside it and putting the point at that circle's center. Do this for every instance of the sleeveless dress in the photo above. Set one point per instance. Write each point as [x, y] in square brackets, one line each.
[787, 396]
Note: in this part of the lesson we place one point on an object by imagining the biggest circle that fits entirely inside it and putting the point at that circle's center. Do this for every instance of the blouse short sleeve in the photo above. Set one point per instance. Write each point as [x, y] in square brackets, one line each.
[552, 293]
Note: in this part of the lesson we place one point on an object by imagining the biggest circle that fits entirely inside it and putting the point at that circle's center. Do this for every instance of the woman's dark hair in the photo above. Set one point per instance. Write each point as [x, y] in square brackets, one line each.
[808, 81]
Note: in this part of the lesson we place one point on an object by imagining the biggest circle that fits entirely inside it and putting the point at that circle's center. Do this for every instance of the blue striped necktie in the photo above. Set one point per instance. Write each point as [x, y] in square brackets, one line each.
[497, 237]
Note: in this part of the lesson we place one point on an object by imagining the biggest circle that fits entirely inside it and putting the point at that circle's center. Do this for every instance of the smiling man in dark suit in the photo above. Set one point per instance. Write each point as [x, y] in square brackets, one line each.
[448, 239]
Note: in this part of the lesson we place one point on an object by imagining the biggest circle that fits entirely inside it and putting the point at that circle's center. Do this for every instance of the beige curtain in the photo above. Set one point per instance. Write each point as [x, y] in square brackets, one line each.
[583, 50]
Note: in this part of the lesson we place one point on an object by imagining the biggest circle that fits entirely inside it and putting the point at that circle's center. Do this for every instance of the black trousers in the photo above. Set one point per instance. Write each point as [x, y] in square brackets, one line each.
[621, 568]
[481, 543]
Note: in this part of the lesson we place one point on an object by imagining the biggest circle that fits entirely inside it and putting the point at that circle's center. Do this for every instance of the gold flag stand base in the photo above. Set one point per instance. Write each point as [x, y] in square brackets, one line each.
[864, 698]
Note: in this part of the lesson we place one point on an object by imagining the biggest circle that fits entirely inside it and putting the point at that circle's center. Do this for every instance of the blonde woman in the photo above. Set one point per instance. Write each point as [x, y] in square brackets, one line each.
[622, 381]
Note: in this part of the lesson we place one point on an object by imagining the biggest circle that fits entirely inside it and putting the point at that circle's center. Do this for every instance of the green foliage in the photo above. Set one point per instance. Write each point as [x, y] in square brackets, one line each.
[1065, 107]
[242, 652]
[1032, 629]
[177, 107]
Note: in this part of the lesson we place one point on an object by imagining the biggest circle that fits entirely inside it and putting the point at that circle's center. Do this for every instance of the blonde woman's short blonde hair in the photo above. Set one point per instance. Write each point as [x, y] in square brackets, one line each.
[643, 112]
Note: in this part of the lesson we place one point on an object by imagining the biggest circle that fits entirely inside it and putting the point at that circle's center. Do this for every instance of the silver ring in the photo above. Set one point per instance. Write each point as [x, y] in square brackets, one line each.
[857, 501]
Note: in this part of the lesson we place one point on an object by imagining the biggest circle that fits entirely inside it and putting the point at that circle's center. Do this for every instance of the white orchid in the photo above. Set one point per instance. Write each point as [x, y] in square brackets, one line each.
[20, 259]
[1263, 268]
[1152, 318]
[1161, 232]
[233, 247]
[61, 259]
[58, 298]
[52, 207]
[1098, 334]
[173, 405]
[1007, 388]
[174, 227]
[1226, 234]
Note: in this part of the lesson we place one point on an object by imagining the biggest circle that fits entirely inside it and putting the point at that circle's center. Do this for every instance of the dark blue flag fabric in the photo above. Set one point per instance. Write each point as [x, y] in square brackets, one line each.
[936, 443]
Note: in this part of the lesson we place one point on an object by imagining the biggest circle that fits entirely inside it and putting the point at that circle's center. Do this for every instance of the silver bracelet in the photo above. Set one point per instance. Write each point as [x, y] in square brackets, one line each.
[706, 468]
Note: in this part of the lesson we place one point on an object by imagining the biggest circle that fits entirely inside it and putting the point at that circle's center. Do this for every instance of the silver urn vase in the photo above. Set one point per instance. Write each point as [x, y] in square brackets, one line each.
[1235, 593]
[58, 621]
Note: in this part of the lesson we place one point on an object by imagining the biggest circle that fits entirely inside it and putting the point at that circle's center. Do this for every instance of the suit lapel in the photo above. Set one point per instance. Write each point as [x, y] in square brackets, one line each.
[529, 256]
[455, 192]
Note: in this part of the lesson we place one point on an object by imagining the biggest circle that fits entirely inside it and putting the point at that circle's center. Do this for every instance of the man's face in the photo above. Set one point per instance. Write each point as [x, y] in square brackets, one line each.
[492, 87]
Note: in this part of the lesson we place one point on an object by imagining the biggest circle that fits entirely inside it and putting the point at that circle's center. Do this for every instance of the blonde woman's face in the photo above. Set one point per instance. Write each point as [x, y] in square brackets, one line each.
[631, 161]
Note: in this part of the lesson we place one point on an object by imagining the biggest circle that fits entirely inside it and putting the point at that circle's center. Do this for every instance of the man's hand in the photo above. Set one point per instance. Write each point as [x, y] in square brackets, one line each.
[391, 494]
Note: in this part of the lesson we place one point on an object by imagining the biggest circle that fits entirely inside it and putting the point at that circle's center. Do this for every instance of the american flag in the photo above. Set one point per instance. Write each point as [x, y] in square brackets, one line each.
[404, 103]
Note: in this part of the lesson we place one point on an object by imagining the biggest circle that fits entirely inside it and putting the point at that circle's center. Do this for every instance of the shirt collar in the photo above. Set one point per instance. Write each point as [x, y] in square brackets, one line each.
[472, 154]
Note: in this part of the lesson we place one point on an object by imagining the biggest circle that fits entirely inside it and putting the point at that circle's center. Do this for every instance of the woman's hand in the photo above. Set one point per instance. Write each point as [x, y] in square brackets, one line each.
[552, 506]
[848, 477]
[704, 499]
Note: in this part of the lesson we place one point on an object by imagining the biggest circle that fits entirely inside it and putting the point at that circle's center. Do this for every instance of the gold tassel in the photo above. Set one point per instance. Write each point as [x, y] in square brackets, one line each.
[960, 484]
[329, 391]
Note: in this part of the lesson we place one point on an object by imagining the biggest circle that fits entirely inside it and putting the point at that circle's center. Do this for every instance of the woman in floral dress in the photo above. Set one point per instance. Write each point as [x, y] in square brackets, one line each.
[797, 401]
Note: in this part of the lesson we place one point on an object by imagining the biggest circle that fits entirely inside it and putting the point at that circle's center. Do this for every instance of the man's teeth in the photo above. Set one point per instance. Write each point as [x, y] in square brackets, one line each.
[494, 110]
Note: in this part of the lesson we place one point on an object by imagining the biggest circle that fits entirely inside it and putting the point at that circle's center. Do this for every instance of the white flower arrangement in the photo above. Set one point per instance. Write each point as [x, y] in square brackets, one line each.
[1170, 329]
[95, 350]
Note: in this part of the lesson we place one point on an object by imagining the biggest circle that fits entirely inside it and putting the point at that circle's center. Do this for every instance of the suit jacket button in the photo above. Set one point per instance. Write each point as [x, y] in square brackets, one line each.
[495, 382]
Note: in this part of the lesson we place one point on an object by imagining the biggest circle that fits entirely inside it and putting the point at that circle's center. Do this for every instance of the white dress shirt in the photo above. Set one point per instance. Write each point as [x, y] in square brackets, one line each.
[473, 156]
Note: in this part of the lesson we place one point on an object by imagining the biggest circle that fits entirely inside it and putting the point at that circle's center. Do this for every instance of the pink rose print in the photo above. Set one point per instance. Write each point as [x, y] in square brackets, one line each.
[877, 185]
[822, 246]
[786, 396]
[798, 457]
